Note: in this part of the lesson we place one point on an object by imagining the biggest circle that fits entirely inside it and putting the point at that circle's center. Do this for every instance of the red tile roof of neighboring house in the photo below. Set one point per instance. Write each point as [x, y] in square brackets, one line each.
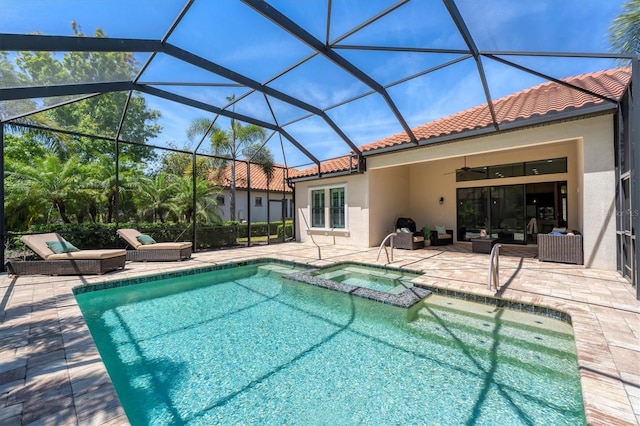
[258, 177]
[541, 100]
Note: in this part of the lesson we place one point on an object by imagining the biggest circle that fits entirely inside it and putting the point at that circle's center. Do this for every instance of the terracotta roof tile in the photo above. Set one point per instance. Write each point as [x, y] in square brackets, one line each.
[543, 99]
[334, 165]
[258, 177]
[540, 100]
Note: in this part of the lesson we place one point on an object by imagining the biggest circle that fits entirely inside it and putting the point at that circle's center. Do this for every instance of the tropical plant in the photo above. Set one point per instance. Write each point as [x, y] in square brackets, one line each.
[238, 142]
[624, 31]
[156, 194]
[47, 179]
[205, 207]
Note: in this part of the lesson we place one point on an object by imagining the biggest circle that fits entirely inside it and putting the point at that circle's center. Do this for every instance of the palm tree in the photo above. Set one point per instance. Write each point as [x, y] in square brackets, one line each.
[156, 194]
[624, 31]
[51, 179]
[239, 141]
[182, 200]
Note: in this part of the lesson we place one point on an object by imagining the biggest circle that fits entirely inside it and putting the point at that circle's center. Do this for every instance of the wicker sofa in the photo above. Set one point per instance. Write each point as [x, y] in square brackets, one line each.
[561, 248]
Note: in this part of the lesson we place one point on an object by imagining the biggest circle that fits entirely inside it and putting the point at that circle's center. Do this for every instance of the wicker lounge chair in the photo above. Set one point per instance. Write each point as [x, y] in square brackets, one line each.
[153, 251]
[68, 261]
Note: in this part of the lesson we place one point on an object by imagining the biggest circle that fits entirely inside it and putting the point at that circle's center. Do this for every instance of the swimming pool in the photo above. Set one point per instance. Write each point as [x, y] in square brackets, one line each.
[244, 346]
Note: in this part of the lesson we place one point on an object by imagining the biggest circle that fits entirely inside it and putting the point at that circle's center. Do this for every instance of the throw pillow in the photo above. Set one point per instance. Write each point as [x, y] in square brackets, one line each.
[441, 230]
[405, 230]
[145, 239]
[61, 247]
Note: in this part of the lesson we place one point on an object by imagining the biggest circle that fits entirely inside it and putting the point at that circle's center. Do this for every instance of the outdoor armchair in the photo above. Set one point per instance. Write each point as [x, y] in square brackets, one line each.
[406, 235]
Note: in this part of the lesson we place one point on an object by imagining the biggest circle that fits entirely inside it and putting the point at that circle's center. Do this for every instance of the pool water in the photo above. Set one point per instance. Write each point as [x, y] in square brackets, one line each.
[245, 346]
[394, 281]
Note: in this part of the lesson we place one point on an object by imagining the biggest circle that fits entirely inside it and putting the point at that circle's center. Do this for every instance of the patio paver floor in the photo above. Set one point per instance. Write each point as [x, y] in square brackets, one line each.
[51, 372]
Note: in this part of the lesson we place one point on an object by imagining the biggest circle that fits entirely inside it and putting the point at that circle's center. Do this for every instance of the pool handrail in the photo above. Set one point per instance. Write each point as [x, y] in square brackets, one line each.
[388, 237]
[494, 268]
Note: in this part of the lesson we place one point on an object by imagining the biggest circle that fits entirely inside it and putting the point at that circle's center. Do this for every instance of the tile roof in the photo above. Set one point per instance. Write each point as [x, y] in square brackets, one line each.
[541, 100]
[258, 177]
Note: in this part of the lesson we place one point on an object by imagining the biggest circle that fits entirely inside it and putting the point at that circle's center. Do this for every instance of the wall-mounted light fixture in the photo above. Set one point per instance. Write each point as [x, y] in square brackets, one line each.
[441, 200]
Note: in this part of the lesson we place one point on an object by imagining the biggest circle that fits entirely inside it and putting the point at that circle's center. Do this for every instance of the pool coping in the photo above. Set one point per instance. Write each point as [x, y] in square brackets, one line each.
[406, 299]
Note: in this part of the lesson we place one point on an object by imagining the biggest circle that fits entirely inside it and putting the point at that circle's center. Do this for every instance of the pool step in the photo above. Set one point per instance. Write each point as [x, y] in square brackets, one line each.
[519, 344]
[278, 268]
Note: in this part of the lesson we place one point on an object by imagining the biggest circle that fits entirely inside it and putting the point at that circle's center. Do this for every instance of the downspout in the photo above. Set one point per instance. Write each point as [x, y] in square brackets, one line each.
[248, 204]
[292, 186]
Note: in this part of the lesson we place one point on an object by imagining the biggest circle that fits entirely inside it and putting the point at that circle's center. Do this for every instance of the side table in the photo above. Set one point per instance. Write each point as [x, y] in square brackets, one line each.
[483, 245]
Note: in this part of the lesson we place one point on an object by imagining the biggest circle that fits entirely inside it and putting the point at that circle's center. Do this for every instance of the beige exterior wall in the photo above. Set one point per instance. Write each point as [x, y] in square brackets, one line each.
[410, 183]
[357, 207]
[389, 199]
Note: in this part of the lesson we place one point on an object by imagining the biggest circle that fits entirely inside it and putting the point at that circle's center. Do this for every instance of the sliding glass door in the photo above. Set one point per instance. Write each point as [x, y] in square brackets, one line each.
[496, 211]
[507, 214]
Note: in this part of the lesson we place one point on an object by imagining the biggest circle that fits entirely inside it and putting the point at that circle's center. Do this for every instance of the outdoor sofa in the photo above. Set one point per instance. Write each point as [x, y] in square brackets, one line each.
[145, 248]
[59, 257]
[560, 246]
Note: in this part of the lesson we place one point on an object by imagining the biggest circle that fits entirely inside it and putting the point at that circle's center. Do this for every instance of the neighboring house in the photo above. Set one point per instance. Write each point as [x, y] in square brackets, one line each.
[274, 197]
[553, 159]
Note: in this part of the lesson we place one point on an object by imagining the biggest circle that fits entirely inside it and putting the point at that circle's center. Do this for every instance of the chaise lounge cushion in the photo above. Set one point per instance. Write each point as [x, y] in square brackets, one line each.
[38, 243]
[131, 237]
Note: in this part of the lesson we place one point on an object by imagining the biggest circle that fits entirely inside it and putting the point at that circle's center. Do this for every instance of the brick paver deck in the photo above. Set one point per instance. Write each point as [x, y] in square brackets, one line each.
[51, 372]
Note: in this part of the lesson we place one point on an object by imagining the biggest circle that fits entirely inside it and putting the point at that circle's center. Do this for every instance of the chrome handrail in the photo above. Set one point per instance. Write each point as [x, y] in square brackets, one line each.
[390, 236]
[494, 268]
[311, 235]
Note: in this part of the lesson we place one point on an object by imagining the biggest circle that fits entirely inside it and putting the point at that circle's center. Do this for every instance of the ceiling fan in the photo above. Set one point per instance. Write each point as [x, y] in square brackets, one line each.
[469, 172]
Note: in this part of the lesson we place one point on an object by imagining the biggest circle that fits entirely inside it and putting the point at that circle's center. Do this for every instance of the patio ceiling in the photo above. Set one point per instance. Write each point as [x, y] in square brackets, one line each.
[325, 77]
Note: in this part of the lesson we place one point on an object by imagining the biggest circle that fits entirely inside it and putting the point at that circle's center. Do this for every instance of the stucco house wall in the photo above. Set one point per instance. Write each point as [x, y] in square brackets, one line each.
[357, 228]
[410, 183]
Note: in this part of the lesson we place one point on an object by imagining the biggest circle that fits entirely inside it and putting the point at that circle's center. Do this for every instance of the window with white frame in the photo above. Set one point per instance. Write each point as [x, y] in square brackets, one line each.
[317, 208]
[258, 201]
[220, 200]
[336, 209]
[332, 214]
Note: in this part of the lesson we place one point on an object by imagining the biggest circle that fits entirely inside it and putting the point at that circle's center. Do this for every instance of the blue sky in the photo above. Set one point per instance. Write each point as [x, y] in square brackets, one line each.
[231, 34]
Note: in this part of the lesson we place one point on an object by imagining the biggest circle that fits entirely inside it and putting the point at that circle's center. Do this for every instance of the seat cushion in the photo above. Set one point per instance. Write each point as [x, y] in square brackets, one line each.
[89, 254]
[166, 246]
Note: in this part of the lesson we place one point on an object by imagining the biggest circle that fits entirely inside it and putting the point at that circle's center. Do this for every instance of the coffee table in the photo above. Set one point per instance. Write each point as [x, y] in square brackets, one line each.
[482, 245]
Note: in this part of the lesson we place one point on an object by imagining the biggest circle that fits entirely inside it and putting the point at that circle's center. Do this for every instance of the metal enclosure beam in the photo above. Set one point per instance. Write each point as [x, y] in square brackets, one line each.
[206, 107]
[34, 92]
[48, 43]
[295, 30]
[634, 190]
[205, 64]
[468, 39]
